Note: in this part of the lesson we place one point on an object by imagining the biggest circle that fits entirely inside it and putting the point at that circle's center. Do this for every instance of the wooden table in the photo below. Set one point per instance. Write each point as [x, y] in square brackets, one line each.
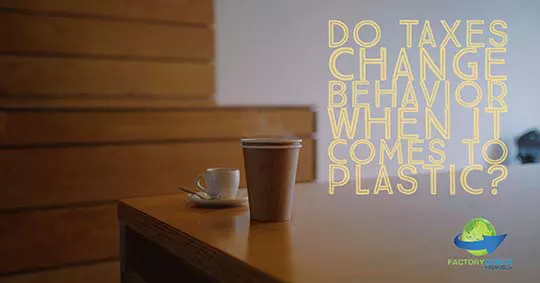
[339, 238]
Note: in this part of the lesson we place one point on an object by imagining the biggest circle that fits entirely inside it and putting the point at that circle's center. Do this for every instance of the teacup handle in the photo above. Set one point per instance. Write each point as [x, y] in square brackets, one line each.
[198, 184]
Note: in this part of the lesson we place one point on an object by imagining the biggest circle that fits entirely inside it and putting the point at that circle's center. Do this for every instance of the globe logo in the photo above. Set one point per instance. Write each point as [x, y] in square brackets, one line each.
[479, 237]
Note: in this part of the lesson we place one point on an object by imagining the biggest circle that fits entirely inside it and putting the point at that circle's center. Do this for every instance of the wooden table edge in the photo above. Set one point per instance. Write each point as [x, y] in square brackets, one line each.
[205, 258]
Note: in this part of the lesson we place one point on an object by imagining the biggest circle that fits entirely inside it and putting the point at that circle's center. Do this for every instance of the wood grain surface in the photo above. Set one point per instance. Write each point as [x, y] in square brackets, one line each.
[350, 238]
[45, 35]
[151, 261]
[106, 272]
[168, 11]
[54, 237]
[43, 127]
[55, 176]
[26, 76]
[109, 103]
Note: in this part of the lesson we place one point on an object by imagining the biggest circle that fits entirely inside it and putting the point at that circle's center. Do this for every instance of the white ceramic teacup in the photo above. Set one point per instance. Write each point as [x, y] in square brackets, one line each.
[220, 182]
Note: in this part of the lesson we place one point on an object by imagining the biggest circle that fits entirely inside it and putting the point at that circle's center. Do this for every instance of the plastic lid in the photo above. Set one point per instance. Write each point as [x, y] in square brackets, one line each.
[273, 141]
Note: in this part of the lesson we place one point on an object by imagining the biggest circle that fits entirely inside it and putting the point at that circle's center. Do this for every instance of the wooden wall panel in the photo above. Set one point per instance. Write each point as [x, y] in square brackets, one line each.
[54, 176]
[70, 76]
[93, 98]
[177, 11]
[75, 36]
[36, 239]
[110, 103]
[53, 127]
[107, 272]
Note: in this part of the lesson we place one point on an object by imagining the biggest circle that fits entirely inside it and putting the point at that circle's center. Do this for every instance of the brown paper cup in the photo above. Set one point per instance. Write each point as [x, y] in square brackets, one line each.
[271, 175]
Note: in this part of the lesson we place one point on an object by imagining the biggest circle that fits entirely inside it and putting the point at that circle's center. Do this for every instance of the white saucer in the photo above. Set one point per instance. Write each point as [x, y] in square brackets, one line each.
[240, 198]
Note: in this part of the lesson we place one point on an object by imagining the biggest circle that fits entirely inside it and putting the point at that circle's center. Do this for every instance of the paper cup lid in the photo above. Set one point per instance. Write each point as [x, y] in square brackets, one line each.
[271, 141]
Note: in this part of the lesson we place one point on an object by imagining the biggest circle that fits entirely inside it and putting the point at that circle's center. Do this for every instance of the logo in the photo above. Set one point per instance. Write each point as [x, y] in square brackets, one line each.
[479, 238]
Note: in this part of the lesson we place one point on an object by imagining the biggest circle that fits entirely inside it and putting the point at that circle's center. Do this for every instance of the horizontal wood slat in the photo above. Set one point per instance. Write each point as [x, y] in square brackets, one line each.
[179, 11]
[68, 76]
[107, 272]
[38, 239]
[50, 127]
[38, 34]
[84, 102]
[55, 176]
